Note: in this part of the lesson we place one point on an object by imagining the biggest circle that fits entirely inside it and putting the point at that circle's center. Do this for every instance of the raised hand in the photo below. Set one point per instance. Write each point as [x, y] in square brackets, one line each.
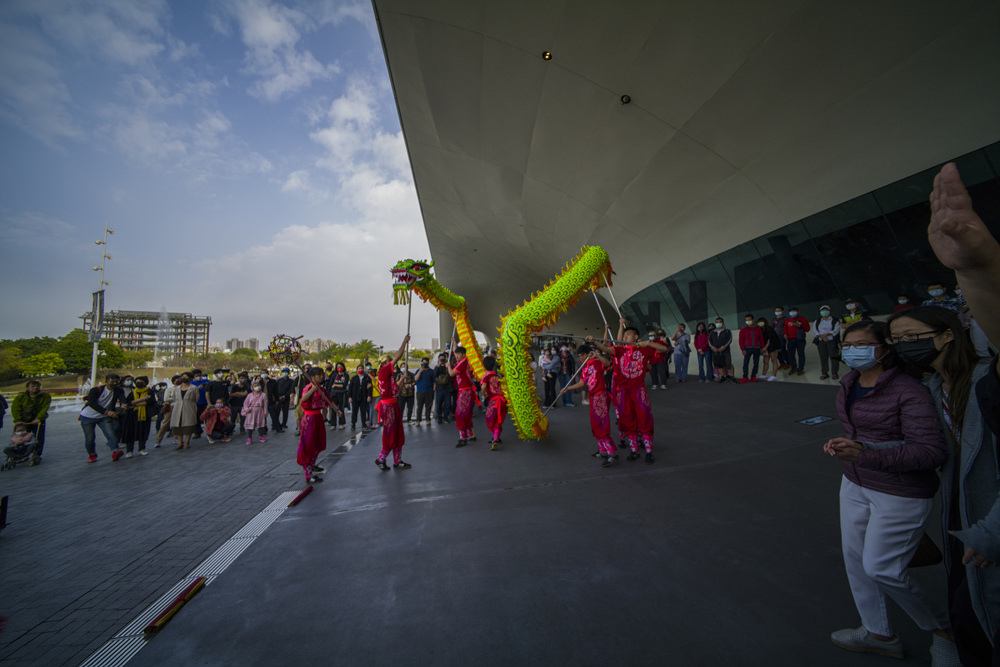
[956, 233]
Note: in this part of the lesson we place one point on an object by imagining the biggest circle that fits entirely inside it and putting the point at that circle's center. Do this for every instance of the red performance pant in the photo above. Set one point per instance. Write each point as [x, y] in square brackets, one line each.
[463, 412]
[636, 417]
[496, 412]
[600, 421]
[392, 429]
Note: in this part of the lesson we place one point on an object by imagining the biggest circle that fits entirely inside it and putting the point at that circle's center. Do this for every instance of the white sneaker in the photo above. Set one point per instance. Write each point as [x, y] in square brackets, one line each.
[663, 386]
[128, 455]
[944, 653]
[143, 452]
[761, 377]
[772, 378]
[654, 388]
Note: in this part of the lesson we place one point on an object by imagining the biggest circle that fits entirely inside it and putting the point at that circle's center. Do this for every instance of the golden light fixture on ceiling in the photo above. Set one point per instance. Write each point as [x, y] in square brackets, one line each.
[546, 55]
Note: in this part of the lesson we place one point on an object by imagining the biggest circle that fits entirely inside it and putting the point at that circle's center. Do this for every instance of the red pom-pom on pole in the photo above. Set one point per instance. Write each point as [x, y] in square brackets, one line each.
[175, 606]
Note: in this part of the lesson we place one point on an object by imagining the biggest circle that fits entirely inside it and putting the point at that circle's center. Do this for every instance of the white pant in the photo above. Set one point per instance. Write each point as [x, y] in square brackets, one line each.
[880, 533]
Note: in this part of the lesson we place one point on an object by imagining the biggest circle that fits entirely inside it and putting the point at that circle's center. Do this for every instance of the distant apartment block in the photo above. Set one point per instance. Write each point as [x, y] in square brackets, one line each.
[172, 333]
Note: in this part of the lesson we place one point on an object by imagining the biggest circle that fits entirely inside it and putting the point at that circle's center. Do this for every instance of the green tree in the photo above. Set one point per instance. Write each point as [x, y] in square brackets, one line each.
[364, 349]
[244, 354]
[138, 357]
[75, 351]
[10, 363]
[31, 346]
[48, 363]
[111, 356]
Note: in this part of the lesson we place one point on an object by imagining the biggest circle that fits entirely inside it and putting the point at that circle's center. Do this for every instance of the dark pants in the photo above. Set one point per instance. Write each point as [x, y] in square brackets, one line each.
[829, 351]
[442, 402]
[273, 411]
[973, 644]
[39, 431]
[406, 402]
[796, 350]
[425, 403]
[340, 400]
[782, 354]
[227, 430]
[197, 425]
[356, 407]
[283, 406]
[564, 379]
[658, 372]
[550, 389]
[751, 353]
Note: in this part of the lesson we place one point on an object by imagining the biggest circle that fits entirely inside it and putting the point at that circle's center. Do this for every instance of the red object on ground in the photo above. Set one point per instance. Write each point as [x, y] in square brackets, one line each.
[305, 492]
[157, 624]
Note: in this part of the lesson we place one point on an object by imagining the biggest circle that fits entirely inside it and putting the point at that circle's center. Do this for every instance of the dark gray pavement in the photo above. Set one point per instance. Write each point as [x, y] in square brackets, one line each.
[723, 552]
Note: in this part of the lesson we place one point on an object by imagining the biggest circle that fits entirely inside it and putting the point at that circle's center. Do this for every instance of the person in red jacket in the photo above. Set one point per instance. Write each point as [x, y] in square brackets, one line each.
[796, 328]
[751, 341]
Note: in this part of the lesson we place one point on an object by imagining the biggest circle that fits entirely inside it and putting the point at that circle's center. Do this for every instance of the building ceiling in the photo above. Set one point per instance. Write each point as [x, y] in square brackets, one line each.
[742, 117]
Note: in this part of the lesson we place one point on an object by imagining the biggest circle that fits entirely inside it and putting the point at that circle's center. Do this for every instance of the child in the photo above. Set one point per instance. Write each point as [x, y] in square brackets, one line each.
[592, 377]
[312, 431]
[255, 411]
[496, 404]
[466, 396]
[635, 418]
[22, 446]
[388, 410]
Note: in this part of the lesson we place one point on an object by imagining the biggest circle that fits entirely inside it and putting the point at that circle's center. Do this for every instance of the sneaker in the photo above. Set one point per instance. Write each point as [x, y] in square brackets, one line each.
[461, 443]
[663, 386]
[472, 439]
[402, 465]
[632, 456]
[609, 461]
[772, 378]
[262, 439]
[598, 455]
[116, 455]
[92, 458]
[649, 457]
[762, 377]
[800, 373]
[314, 480]
[495, 445]
[128, 455]
[653, 388]
[317, 470]
[944, 653]
[249, 441]
[227, 440]
[143, 452]
[858, 640]
[753, 379]
[381, 465]
[824, 376]
[345, 426]
[744, 381]
[211, 442]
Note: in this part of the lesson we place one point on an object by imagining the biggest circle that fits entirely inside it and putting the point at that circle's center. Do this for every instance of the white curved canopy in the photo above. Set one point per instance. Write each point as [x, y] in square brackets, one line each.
[743, 117]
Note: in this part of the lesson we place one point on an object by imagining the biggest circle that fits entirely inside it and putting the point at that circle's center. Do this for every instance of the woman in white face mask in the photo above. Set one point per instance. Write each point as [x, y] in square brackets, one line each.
[890, 451]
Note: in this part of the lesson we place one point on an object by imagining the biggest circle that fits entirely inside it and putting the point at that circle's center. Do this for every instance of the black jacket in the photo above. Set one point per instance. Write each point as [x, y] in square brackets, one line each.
[360, 388]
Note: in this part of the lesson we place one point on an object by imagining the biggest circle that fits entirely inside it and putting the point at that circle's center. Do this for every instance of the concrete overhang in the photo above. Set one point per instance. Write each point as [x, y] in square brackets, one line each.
[741, 118]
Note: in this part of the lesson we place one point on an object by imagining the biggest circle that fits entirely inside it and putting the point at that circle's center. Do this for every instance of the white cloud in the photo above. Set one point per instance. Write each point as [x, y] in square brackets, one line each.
[271, 33]
[35, 230]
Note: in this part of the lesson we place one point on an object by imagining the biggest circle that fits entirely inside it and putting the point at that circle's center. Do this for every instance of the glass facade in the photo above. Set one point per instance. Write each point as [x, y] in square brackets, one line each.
[872, 248]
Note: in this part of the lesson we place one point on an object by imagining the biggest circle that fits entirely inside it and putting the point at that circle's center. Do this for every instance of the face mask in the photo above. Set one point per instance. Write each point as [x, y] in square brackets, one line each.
[140, 385]
[852, 306]
[361, 372]
[256, 390]
[779, 313]
[749, 323]
[958, 292]
[920, 353]
[20, 434]
[761, 324]
[935, 292]
[903, 301]
[719, 326]
[243, 378]
[284, 375]
[128, 383]
[859, 358]
[264, 375]
[651, 337]
[197, 377]
[701, 328]
[218, 406]
[825, 313]
[793, 313]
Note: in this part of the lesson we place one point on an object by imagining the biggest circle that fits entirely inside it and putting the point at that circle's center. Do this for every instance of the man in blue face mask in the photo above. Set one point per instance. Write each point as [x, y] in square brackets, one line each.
[939, 297]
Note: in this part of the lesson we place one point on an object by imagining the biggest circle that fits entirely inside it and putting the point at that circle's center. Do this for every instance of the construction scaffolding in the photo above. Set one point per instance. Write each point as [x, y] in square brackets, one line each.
[170, 333]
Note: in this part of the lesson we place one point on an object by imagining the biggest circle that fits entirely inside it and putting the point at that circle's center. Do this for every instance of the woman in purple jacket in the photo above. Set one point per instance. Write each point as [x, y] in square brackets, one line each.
[892, 445]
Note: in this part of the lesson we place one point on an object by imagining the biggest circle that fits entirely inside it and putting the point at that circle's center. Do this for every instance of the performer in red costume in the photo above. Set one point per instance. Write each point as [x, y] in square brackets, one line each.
[592, 377]
[388, 410]
[466, 396]
[635, 418]
[312, 431]
[496, 404]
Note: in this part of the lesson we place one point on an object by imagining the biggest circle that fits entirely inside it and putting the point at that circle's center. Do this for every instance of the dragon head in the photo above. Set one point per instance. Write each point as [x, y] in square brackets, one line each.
[409, 272]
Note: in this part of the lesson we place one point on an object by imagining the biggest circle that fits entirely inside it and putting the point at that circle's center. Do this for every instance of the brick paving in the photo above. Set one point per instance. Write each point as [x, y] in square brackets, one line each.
[89, 546]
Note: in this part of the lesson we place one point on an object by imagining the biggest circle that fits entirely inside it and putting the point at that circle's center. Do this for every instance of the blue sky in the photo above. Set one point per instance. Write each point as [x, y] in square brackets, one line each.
[247, 154]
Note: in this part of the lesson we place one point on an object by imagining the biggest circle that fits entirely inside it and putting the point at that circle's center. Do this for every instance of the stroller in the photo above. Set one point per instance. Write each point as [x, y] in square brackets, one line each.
[25, 452]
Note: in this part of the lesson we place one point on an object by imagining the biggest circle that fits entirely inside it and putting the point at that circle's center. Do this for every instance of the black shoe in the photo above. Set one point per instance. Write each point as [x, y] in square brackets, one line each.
[317, 470]
[381, 465]
[598, 455]
[440, 421]
[610, 461]
[353, 427]
[402, 465]
[315, 480]
[498, 441]
[622, 445]
[472, 439]
[649, 457]
[461, 443]
[447, 421]
[632, 456]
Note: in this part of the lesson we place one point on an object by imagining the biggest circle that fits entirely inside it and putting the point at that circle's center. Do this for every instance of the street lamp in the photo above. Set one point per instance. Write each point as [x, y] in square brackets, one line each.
[97, 316]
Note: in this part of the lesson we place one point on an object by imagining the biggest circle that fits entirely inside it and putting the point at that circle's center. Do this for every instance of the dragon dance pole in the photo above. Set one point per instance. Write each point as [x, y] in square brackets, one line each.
[607, 329]
[406, 351]
[559, 395]
[617, 309]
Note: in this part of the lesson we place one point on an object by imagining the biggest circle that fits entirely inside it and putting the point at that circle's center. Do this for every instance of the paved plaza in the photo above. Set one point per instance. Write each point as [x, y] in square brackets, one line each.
[724, 552]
